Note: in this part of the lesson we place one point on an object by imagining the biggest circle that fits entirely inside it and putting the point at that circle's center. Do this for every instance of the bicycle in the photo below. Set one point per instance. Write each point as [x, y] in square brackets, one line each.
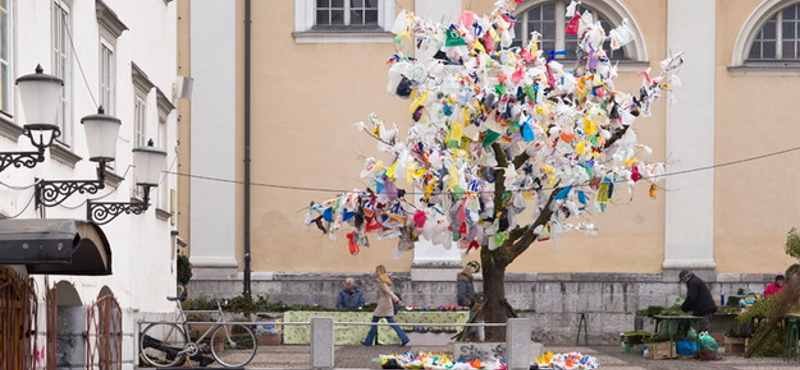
[166, 344]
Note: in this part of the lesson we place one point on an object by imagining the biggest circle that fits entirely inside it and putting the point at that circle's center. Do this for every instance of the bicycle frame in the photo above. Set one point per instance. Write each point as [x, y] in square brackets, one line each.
[196, 348]
[184, 323]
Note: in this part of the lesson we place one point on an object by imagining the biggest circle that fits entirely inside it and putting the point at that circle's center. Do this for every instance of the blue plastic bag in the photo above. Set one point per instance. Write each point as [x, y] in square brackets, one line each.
[686, 348]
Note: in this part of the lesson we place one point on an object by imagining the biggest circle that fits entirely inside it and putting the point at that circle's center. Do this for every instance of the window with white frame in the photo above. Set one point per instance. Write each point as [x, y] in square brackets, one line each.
[549, 19]
[6, 70]
[346, 13]
[107, 76]
[163, 184]
[343, 21]
[778, 38]
[139, 131]
[139, 120]
[62, 66]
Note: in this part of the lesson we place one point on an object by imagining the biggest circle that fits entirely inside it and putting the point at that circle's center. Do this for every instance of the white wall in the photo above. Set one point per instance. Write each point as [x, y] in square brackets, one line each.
[142, 247]
[690, 139]
[213, 208]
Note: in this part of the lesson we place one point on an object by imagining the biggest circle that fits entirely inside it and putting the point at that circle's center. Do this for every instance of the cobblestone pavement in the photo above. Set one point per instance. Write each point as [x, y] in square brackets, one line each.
[361, 357]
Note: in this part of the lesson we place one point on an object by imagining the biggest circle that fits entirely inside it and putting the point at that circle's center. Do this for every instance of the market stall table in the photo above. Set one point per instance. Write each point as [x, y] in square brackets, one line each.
[353, 335]
[670, 324]
[791, 322]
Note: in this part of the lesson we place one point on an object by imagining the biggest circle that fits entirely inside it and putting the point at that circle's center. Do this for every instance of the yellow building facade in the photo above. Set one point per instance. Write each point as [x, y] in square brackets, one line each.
[316, 67]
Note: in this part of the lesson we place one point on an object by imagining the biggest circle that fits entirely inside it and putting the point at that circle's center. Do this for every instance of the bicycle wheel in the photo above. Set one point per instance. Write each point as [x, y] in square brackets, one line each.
[233, 345]
[162, 345]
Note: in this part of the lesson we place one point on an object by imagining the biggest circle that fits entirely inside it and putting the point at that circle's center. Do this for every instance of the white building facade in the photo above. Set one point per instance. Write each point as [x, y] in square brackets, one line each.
[121, 55]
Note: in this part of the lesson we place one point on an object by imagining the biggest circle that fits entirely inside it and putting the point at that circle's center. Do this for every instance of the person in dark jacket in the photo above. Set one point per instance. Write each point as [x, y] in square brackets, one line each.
[698, 299]
[466, 297]
[350, 297]
[466, 289]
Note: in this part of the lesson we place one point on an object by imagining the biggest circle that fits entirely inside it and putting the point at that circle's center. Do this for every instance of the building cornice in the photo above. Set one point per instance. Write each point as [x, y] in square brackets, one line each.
[140, 79]
[9, 129]
[164, 105]
[108, 19]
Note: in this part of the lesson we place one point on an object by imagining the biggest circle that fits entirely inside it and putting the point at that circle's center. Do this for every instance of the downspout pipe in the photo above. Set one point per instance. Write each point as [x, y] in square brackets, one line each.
[247, 22]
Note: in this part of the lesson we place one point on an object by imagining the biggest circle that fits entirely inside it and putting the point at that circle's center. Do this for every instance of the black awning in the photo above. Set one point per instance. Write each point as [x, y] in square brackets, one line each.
[55, 246]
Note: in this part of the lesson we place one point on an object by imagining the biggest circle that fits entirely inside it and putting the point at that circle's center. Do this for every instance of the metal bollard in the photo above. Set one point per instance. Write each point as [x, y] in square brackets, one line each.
[518, 346]
[322, 343]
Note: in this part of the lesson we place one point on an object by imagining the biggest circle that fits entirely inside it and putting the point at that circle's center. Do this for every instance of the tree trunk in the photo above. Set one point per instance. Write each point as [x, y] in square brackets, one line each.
[494, 308]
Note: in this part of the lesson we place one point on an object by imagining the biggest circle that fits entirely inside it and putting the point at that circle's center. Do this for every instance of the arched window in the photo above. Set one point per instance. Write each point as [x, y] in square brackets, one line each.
[549, 19]
[769, 41]
[778, 38]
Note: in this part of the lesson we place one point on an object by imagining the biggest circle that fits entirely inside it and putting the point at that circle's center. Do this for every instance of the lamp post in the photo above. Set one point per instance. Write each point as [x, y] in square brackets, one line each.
[148, 161]
[101, 135]
[40, 96]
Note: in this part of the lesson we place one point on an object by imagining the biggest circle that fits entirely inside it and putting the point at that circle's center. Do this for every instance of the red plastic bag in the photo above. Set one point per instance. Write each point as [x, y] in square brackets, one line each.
[572, 27]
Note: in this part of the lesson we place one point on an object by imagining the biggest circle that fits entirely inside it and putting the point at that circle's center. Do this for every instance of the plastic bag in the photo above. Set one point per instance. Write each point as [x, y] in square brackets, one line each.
[692, 335]
[686, 348]
[708, 342]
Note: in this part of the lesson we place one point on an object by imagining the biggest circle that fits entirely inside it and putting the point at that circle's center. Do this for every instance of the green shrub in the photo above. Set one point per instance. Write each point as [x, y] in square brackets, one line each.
[184, 270]
[774, 345]
[200, 303]
[792, 246]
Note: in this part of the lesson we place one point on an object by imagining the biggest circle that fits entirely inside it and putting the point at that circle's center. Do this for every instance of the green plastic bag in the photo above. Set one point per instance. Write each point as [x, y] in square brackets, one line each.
[692, 335]
[708, 342]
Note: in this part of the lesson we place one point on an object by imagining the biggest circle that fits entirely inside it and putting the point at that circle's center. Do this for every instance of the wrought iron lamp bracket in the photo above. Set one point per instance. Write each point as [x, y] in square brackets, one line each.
[102, 213]
[19, 159]
[53, 193]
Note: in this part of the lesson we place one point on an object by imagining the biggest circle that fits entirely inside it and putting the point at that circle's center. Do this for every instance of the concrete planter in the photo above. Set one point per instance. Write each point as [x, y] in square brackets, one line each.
[429, 339]
[468, 351]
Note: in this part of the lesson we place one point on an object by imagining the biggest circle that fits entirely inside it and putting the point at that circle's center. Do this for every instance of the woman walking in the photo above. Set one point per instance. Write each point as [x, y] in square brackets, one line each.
[385, 309]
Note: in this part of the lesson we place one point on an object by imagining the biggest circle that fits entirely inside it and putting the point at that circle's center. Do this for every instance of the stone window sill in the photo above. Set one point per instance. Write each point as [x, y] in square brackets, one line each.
[777, 69]
[162, 214]
[343, 36]
[64, 155]
[8, 128]
[112, 178]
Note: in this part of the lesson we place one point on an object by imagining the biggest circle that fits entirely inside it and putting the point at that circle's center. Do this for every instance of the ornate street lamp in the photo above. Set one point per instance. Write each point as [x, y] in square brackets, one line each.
[101, 136]
[40, 97]
[148, 161]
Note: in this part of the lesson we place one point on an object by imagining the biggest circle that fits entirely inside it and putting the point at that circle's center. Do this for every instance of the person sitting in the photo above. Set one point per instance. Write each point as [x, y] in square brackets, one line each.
[777, 286]
[466, 290]
[350, 297]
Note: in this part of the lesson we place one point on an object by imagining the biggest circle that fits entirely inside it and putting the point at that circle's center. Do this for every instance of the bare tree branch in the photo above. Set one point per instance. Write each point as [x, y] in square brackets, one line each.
[499, 178]
[530, 235]
[520, 159]
[616, 136]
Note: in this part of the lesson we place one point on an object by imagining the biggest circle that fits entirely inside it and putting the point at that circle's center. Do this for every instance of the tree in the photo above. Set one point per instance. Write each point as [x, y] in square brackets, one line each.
[497, 130]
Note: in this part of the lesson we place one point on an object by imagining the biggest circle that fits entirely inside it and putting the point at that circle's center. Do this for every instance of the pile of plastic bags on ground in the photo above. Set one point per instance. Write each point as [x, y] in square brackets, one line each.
[568, 361]
[435, 361]
[443, 361]
[496, 130]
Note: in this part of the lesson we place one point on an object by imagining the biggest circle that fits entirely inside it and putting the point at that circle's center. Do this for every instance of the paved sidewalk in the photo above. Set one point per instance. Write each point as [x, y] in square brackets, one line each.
[361, 357]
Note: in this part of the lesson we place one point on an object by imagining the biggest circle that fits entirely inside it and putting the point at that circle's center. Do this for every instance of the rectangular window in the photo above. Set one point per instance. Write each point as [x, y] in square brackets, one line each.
[139, 132]
[346, 13]
[163, 186]
[107, 80]
[6, 83]
[140, 121]
[62, 66]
